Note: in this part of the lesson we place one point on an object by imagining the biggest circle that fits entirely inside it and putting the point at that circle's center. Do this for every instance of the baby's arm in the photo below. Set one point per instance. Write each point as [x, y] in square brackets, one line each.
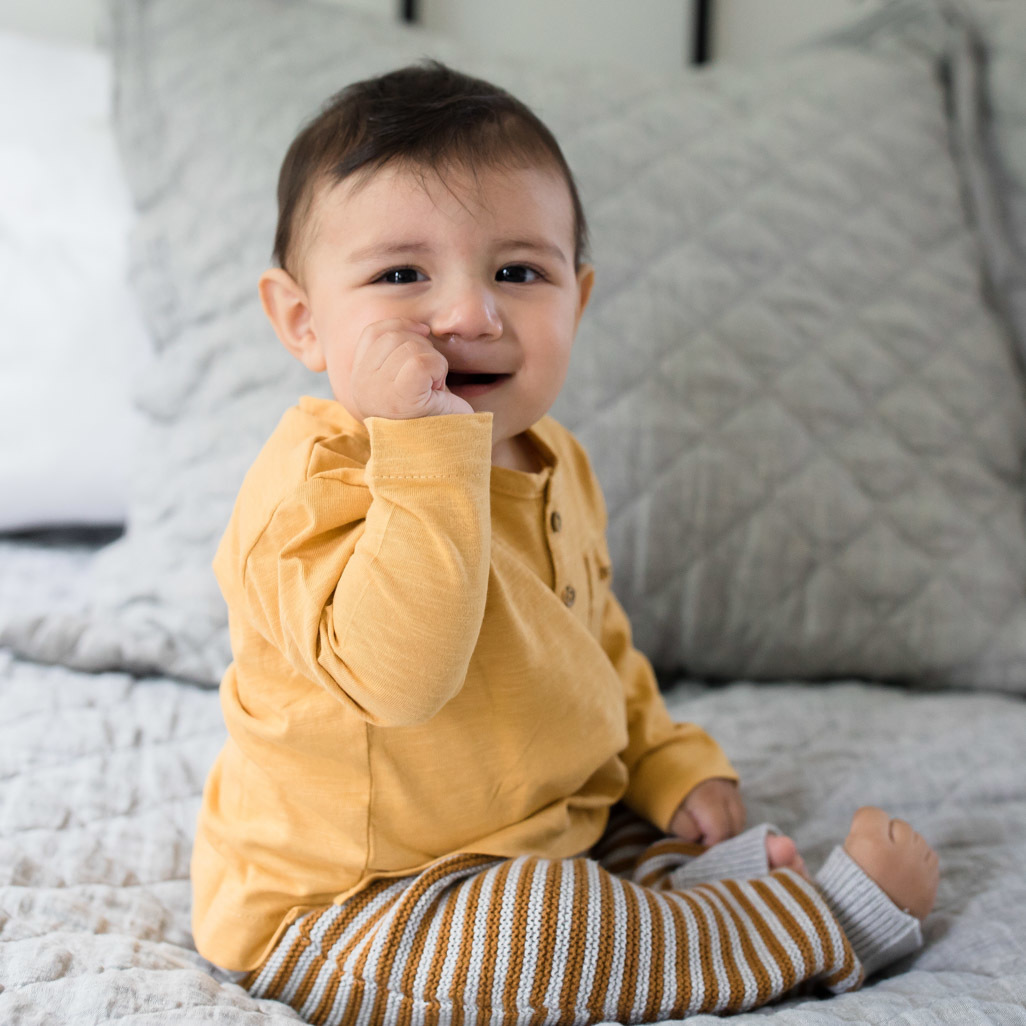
[666, 760]
[381, 601]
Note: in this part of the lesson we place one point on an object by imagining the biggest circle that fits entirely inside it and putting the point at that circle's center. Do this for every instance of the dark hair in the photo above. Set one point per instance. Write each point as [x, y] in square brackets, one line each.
[422, 116]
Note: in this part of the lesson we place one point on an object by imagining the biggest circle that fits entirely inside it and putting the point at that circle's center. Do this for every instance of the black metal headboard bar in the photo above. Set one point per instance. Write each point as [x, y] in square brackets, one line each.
[701, 50]
[701, 34]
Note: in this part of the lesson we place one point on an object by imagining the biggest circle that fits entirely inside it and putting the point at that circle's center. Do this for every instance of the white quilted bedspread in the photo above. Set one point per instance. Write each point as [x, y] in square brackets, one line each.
[102, 775]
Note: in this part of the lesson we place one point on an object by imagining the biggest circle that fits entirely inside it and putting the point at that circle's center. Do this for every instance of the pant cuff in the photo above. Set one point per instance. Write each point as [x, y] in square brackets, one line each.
[742, 857]
[877, 929]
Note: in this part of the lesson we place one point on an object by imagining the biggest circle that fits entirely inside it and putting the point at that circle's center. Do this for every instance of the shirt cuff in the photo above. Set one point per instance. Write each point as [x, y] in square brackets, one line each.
[665, 776]
[453, 445]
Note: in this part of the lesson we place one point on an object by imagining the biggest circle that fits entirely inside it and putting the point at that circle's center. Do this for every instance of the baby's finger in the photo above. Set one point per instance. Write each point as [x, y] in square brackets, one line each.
[380, 339]
[736, 814]
[716, 825]
[683, 825]
[739, 814]
[711, 805]
[416, 373]
[443, 401]
[397, 324]
[404, 359]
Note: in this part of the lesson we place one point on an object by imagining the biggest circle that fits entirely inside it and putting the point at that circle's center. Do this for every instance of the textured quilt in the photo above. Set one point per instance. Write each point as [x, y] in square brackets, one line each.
[101, 777]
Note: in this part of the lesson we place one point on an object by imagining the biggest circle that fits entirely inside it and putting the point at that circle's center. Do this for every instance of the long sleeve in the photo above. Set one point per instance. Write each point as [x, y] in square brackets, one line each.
[382, 603]
[665, 759]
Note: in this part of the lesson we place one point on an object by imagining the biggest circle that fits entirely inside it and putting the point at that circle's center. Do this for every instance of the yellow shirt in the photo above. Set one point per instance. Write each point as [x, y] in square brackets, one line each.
[428, 659]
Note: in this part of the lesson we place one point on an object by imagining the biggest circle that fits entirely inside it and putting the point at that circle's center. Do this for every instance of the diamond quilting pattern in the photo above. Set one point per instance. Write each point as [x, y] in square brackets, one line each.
[860, 414]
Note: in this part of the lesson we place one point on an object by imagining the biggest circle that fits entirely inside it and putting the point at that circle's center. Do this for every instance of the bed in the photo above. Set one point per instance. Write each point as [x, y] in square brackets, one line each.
[801, 382]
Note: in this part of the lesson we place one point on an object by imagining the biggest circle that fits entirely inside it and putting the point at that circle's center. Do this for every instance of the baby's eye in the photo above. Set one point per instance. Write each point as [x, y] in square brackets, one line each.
[401, 276]
[518, 274]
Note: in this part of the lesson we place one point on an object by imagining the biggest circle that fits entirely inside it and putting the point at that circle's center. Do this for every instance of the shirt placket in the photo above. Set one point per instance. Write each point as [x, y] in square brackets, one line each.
[569, 573]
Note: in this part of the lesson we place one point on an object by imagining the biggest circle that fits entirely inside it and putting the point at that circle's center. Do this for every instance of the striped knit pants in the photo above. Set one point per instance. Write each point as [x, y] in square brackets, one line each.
[479, 940]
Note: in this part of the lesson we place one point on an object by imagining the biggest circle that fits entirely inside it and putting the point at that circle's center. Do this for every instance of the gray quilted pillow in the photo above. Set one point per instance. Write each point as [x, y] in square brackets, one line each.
[809, 426]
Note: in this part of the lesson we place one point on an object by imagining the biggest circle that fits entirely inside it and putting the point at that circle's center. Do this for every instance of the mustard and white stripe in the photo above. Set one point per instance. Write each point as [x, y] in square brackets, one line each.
[480, 941]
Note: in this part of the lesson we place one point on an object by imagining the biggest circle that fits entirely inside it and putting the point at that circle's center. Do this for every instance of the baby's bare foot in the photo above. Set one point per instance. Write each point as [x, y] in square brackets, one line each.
[782, 853]
[896, 858]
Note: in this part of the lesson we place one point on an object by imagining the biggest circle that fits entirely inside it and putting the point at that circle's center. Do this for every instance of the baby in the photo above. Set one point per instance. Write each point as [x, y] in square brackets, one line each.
[451, 788]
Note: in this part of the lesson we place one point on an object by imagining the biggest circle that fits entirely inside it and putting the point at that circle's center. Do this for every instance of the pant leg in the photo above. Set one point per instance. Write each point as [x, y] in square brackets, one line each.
[532, 941]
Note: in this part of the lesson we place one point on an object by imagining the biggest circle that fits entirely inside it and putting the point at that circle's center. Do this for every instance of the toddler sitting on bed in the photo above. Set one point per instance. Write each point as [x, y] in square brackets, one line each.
[451, 788]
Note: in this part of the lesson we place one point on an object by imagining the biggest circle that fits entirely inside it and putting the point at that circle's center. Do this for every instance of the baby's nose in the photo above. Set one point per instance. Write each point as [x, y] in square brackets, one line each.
[467, 311]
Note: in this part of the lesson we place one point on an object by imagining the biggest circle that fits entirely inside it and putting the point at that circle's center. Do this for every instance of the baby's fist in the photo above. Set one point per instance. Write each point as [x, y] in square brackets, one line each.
[397, 373]
[711, 812]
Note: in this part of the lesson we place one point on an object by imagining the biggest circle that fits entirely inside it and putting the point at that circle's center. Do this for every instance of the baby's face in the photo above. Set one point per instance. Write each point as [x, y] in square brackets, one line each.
[487, 263]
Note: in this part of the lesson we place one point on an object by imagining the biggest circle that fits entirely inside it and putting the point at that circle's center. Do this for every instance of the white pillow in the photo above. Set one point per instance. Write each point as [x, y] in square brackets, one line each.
[70, 333]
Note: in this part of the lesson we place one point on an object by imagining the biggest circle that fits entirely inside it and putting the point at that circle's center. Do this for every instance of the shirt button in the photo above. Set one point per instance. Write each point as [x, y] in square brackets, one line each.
[555, 521]
[569, 595]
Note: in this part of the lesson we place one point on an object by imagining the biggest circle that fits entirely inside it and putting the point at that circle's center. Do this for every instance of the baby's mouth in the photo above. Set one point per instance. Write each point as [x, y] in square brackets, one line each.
[455, 379]
[468, 384]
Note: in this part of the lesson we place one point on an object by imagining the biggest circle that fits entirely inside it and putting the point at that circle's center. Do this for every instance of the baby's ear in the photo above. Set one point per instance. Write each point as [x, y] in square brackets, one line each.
[585, 281]
[288, 309]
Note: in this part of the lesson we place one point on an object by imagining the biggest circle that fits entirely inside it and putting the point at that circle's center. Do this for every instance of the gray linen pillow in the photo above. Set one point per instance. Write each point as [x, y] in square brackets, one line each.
[808, 423]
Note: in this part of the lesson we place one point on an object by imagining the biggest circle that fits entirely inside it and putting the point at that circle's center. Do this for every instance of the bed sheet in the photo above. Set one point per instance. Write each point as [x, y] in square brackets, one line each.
[102, 776]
